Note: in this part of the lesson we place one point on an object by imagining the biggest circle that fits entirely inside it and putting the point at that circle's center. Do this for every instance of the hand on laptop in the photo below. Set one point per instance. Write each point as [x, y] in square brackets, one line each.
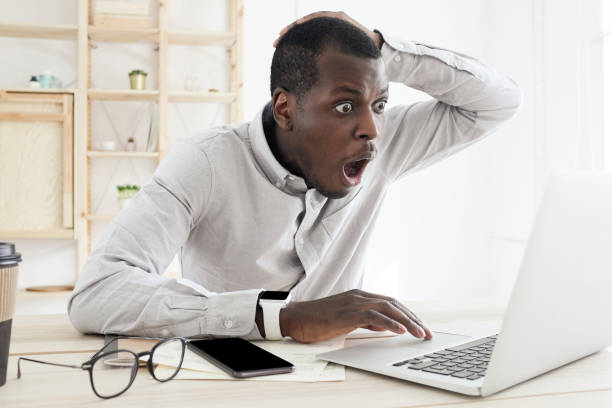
[325, 318]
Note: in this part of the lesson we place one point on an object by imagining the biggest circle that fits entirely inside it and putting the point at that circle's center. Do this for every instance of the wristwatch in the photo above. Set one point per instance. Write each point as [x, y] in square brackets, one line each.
[271, 303]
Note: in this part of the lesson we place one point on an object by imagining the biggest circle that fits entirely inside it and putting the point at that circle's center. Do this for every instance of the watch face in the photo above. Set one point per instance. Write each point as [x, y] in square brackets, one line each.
[274, 295]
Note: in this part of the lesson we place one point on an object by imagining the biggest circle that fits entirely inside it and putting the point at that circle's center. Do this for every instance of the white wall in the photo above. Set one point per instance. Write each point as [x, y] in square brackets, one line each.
[607, 66]
[54, 261]
[457, 229]
[48, 261]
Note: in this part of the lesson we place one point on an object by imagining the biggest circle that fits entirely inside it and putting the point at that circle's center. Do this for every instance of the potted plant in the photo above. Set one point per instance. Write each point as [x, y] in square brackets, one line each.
[130, 145]
[126, 193]
[137, 79]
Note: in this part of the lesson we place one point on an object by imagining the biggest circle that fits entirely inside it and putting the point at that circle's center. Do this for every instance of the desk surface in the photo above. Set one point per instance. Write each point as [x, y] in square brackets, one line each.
[587, 382]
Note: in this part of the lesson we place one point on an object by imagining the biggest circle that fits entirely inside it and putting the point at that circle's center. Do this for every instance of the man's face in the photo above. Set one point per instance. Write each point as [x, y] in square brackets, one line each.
[335, 130]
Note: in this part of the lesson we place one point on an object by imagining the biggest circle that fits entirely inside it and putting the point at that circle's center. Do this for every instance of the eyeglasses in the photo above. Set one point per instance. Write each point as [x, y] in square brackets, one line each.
[112, 372]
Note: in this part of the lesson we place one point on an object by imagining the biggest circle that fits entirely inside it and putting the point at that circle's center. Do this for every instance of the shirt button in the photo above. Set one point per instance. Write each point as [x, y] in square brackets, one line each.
[301, 241]
[228, 323]
[165, 333]
[397, 58]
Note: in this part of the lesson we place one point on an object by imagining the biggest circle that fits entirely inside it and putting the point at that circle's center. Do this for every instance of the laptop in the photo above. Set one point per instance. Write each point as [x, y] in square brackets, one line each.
[558, 311]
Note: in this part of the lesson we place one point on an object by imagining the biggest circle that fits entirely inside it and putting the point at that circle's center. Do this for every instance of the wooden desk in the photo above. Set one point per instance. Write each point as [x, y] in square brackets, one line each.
[49, 334]
[584, 383]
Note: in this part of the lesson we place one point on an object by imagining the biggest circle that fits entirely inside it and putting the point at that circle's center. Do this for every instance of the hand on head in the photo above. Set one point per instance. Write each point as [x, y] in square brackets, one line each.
[334, 14]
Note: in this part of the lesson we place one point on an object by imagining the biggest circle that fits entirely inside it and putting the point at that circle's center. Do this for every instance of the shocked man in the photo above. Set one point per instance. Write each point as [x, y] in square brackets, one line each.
[283, 207]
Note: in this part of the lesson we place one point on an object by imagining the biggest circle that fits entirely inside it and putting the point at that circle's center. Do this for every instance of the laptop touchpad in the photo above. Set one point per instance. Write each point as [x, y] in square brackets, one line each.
[415, 347]
[394, 349]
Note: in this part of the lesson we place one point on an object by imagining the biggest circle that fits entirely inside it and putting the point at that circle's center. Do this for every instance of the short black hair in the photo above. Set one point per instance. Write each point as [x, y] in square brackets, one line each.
[294, 65]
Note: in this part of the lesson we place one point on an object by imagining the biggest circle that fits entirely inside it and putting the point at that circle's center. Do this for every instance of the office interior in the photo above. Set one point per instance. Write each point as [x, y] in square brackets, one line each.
[450, 234]
[465, 220]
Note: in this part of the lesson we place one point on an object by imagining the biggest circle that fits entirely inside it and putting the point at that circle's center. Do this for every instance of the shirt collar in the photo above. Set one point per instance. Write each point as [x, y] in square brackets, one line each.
[273, 170]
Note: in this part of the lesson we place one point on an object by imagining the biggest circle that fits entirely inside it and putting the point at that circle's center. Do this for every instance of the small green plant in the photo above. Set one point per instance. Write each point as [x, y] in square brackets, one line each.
[137, 72]
[126, 192]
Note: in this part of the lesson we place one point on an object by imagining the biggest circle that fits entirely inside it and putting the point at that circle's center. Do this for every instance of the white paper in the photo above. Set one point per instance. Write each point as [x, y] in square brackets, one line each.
[303, 356]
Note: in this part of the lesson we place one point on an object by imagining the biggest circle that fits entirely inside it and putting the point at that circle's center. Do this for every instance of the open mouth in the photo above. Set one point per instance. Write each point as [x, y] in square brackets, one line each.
[353, 171]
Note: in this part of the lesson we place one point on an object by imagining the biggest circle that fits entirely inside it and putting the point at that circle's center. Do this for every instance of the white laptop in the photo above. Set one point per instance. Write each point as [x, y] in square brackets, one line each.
[559, 310]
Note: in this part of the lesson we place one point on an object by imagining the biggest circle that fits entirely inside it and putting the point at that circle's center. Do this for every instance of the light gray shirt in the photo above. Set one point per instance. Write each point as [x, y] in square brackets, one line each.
[240, 222]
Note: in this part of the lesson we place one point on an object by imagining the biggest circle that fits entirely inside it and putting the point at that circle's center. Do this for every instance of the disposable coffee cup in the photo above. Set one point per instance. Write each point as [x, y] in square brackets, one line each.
[9, 268]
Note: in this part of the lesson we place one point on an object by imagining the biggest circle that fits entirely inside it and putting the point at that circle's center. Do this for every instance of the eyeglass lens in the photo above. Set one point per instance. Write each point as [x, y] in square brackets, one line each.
[167, 358]
[113, 372]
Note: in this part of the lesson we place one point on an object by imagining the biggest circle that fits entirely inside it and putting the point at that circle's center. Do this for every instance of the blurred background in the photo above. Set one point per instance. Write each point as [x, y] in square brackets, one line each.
[455, 230]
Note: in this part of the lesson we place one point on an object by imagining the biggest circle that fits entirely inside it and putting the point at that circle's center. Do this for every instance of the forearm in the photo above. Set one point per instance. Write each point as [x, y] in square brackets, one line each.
[121, 289]
[125, 300]
[470, 101]
[114, 297]
[450, 77]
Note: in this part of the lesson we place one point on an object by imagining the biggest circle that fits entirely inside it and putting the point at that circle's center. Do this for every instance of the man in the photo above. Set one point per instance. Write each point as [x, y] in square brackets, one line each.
[287, 202]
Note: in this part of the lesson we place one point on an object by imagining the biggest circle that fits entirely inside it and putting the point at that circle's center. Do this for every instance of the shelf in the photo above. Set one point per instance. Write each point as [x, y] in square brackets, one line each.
[130, 95]
[122, 95]
[118, 34]
[119, 154]
[47, 32]
[201, 38]
[99, 217]
[160, 37]
[32, 116]
[42, 234]
[203, 97]
[113, 34]
[39, 90]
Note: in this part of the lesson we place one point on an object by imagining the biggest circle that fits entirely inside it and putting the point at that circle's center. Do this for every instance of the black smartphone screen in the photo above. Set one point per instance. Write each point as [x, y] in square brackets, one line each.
[239, 357]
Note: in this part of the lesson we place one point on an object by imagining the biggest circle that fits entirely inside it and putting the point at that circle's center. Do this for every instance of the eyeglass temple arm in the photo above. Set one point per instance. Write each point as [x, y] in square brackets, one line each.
[42, 362]
[118, 337]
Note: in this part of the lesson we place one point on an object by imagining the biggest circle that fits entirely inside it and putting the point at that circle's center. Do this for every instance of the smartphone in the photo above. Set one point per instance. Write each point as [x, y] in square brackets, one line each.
[240, 358]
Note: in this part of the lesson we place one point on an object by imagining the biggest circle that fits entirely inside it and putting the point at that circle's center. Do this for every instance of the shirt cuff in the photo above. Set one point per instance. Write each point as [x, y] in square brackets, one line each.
[398, 52]
[231, 313]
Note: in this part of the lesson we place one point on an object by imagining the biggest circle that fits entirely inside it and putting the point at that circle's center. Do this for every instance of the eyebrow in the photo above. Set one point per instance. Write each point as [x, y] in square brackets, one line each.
[348, 89]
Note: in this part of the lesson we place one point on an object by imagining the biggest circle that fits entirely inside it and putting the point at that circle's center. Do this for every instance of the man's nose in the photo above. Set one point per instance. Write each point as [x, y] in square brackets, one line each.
[368, 125]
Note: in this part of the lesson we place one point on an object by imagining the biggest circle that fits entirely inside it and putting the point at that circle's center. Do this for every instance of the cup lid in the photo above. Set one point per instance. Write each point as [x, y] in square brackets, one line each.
[8, 256]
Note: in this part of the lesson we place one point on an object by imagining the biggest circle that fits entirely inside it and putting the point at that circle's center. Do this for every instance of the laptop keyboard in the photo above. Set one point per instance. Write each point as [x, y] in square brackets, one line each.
[468, 360]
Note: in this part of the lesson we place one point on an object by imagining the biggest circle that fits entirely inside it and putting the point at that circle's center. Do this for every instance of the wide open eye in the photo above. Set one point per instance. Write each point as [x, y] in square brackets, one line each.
[344, 107]
[380, 106]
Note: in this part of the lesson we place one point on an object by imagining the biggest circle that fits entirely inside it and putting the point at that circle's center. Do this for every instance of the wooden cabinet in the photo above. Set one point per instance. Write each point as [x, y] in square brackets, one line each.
[36, 165]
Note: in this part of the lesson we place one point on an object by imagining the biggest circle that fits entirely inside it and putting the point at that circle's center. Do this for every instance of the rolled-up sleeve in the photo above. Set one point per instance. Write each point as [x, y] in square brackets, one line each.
[121, 288]
[469, 100]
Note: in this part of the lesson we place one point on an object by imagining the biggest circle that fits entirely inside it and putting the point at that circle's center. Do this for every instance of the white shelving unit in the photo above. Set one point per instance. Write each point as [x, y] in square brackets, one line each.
[85, 34]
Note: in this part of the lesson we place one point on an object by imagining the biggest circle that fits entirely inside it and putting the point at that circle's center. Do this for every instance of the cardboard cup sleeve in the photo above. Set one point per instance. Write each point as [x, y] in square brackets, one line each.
[8, 292]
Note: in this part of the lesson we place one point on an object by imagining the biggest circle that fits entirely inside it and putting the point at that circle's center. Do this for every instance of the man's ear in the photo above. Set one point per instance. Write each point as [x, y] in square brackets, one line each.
[283, 108]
